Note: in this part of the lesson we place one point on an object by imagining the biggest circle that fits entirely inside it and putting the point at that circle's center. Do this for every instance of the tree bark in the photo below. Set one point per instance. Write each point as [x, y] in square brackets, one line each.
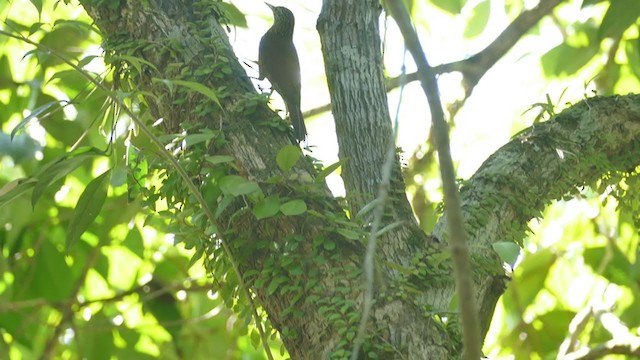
[317, 331]
[317, 307]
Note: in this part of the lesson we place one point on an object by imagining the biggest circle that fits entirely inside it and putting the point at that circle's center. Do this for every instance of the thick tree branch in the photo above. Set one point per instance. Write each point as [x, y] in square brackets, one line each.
[549, 160]
[474, 68]
[575, 148]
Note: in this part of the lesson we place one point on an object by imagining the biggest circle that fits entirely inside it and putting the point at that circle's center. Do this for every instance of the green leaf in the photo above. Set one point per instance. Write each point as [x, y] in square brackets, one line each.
[219, 159]
[222, 205]
[632, 50]
[86, 60]
[554, 325]
[6, 74]
[452, 6]
[97, 338]
[193, 139]
[529, 279]
[88, 207]
[233, 15]
[566, 59]
[619, 17]
[329, 245]
[478, 20]
[35, 27]
[586, 3]
[287, 157]
[196, 255]
[409, 4]
[50, 278]
[58, 169]
[507, 251]
[349, 234]
[14, 189]
[135, 61]
[77, 24]
[211, 229]
[255, 337]
[65, 40]
[401, 269]
[293, 207]
[164, 308]
[236, 185]
[34, 114]
[273, 286]
[206, 91]
[137, 174]
[134, 242]
[328, 170]
[67, 132]
[617, 267]
[38, 5]
[267, 207]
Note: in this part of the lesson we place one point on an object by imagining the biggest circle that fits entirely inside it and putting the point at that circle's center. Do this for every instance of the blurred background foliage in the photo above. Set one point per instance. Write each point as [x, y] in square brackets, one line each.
[124, 290]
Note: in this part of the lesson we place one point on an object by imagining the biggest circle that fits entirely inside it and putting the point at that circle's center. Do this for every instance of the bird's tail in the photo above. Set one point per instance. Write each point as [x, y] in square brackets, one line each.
[299, 130]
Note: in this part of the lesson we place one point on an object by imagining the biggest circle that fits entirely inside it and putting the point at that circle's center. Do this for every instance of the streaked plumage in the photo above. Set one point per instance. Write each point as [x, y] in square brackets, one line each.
[278, 61]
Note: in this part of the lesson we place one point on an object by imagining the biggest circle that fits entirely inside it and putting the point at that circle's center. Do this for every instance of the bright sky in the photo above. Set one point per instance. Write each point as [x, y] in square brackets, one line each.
[490, 116]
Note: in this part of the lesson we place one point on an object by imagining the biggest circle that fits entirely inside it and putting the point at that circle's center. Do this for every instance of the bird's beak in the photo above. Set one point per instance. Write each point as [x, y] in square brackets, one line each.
[270, 6]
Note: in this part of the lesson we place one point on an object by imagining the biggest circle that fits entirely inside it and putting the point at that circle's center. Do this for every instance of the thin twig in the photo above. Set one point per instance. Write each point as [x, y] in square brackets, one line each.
[472, 341]
[576, 327]
[629, 347]
[474, 67]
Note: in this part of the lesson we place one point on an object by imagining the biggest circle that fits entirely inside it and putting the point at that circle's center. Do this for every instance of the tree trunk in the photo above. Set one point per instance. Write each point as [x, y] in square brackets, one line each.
[305, 270]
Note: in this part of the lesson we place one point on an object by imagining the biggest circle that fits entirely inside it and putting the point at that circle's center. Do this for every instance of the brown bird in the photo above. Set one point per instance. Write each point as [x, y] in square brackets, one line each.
[278, 61]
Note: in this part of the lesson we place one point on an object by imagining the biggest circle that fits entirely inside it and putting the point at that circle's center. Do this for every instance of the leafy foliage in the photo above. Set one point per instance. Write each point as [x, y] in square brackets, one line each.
[81, 258]
[106, 251]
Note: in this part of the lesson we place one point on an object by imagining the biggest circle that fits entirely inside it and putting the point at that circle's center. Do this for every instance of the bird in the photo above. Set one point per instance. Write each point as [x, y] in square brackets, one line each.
[278, 62]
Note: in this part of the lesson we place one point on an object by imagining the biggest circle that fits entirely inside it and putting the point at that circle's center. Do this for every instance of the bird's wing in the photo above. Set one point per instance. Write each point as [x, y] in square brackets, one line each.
[279, 63]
